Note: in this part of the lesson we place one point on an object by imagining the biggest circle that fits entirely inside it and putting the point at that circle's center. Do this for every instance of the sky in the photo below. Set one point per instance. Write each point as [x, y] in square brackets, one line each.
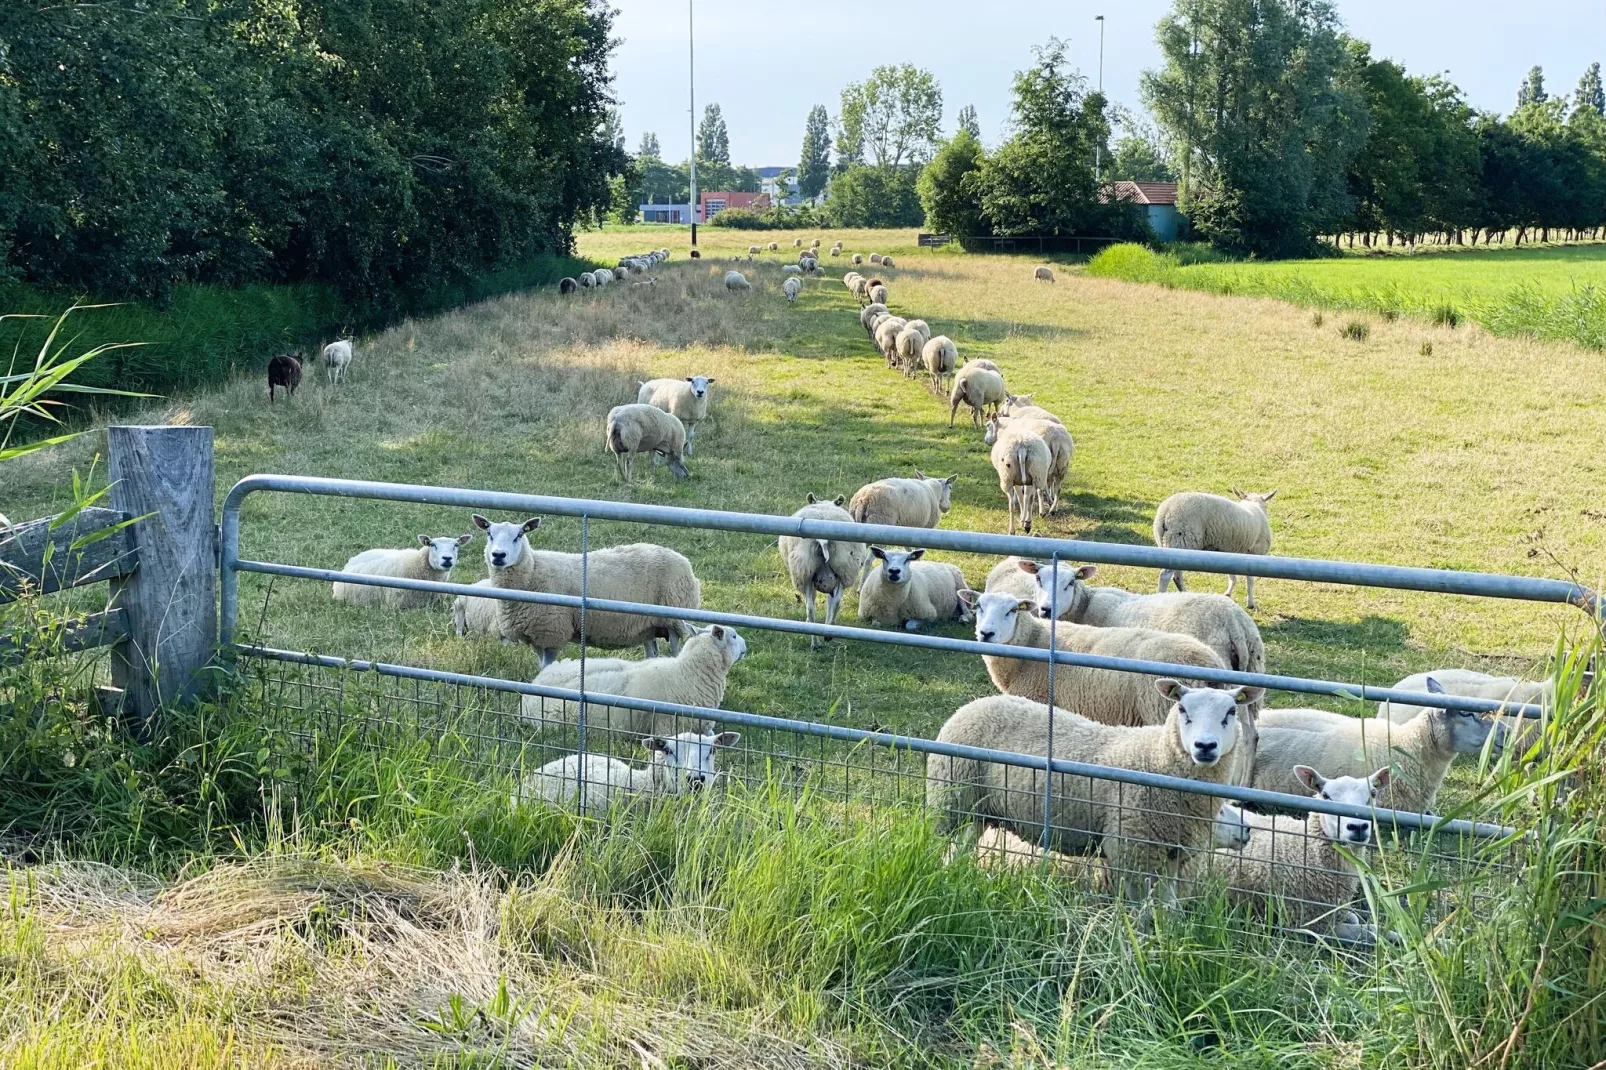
[766, 65]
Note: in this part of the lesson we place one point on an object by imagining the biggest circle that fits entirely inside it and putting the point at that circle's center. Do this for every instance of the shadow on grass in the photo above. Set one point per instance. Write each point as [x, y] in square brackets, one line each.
[1371, 633]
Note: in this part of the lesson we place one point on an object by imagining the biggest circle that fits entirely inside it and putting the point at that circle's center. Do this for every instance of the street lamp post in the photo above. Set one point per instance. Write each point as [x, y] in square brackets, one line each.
[691, 84]
[1098, 150]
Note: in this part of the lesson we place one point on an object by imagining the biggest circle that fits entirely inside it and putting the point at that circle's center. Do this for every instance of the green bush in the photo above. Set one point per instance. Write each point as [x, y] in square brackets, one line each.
[780, 217]
[1132, 262]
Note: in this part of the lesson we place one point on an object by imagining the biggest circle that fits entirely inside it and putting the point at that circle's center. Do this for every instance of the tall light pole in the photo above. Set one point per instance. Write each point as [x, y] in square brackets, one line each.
[1098, 150]
[691, 88]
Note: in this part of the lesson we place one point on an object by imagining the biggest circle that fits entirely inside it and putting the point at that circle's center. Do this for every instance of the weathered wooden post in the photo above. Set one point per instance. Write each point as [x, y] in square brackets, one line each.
[165, 475]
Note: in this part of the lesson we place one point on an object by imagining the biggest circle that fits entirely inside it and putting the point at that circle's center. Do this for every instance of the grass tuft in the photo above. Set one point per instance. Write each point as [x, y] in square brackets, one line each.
[1356, 331]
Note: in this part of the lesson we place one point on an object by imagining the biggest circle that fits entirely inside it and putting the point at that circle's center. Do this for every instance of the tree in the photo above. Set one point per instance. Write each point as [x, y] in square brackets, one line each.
[1139, 154]
[814, 166]
[1591, 95]
[649, 147]
[1254, 94]
[895, 116]
[613, 129]
[713, 140]
[968, 122]
[1532, 90]
[948, 193]
[865, 196]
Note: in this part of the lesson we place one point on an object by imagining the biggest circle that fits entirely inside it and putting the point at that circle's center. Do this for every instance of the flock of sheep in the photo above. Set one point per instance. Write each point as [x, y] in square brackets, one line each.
[1150, 839]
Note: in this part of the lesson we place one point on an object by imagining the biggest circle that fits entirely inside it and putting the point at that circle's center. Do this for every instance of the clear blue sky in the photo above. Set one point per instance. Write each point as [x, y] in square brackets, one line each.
[766, 64]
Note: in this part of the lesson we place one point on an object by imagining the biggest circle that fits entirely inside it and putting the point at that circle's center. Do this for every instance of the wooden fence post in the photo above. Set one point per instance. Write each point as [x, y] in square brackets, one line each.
[165, 475]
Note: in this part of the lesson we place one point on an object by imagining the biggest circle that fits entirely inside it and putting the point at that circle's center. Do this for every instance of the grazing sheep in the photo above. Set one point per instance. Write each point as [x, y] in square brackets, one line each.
[823, 566]
[680, 764]
[638, 572]
[908, 591]
[810, 265]
[1022, 460]
[792, 287]
[886, 336]
[940, 357]
[980, 387]
[1298, 860]
[1061, 448]
[983, 362]
[567, 286]
[477, 616]
[875, 258]
[685, 399]
[836, 250]
[876, 295]
[336, 360]
[791, 269]
[621, 274]
[815, 244]
[861, 290]
[587, 280]
[432, 559]
[752, 251]
[868, 313]
[1044, 274]
[1467, 683]
[1215, 620]
[886, 261]
[1418, 752]
[1191, 520]
[735, 280]
[774, 246]
[905, 503]
[858, 258]
[602, 277]
[1019, 406]
[696, 676]
[640, 428]
[284, 370]
[1147, 835]
[797, 243]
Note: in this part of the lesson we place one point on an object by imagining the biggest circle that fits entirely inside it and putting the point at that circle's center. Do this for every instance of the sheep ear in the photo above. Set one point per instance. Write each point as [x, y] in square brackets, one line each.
[1434, 687]
[1309, 777]
[464, 540]
[1380, 779]
[481, 523]
[916, 555]
[689, 379]
[968, 597]
[1029, 567]
[717, 631]
[656, 744]
[1268, 496]
[919, 474]
[840, 499]
[1087, 572]
[727, 739]
[1243, 696]
[1026, 605]
[812, 498]
[878, 553]
[423, 540]
[1171, 689]
[1238, 493]
[530, 525]
[950, 479]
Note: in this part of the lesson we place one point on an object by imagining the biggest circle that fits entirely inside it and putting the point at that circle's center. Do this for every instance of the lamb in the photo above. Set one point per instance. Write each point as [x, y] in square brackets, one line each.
[824, 566]
[858, 258]
[735, 280]
[696, 676]
[1022, 460]
[432, 559]
[978, 386]
[477, 616]
[1191, 520]
[567, 286]
[1061, 448]
[1298, 858]
[639, 572]
[940, 357]
[1044, 274]
[1147, 835]
[904, 503]
[1467, 684]
[908, 591]
[336, 360]
[877, 295]
[685, 399]
[792, 287]
[640, 428]
[284, 370]
[1419, 752]
[679, 764]
[1215, 620]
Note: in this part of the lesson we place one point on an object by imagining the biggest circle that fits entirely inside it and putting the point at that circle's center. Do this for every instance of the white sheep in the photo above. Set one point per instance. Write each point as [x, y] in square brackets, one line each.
[587, 280]
[876, 295]
[639, 428]
[620, 274]
[809, 265]
[907, 591]
[1044, 274]
[940, 357]
[477, 616]
[774, 246]
[685, 399]
[836, 250]
[791, 269]
[797, 243]
[1147, 835]
[679, 764]
[432, 559]
[336, 359]
[886, 261]
[752, 251]
[735, 280]
[908, 345]
[1019, 406]
[696, 676]
[904, 503]
[1061, 448]
[638, 572]
[875, 258]
[1299, 861]
[886, 336]
[1468, 683]
[979, 386]
[1191, 520]
[858, 258]
[792, 287]
[869, 313]
[602, 277]
[822, 566]
[1022, 459]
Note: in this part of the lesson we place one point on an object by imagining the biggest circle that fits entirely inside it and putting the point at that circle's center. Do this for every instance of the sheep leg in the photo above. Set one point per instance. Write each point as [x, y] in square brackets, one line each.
[674, 639]
[1232, 584]
[650, 648]
[808, 612]
[953, 409]
[911, 626]
[549, 655]
[1249, 582]
[833, 602]
[691, 436]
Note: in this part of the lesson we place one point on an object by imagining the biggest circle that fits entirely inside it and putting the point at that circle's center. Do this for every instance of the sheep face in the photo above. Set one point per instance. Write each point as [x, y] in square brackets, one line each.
[1355, 791]
[505, 543]
[996, 615]
[895, 567]
[729, 641]
[700, 384]
[1208, 719]
[1061, 587]
[1231, 829]
[1465, 731]
[685, 763]
[443, 550]
[946, 499]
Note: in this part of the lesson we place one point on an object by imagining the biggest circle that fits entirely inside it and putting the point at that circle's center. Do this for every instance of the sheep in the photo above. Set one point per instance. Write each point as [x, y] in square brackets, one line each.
[1103, 695]
[1298, 858]
[836, 250]
[940, 357]
[1022, 460]
[1419, 751]
[792, 287]
[567, 286]
[284, 370]
[809, 265]
[824, 566]
[861, 290]
[875, 258]
[797, 243]
[679, 764]
[1467, 684]
[432, 559]
[696, 676]
[641, 428]
[685, 399]
[638, 572]
[696, 254]
[774, 246]
[587, 280]
[869, 312]
[791, 269]
[886, 336]
[650, 280]
[602, 277]
[978, 386]
[886, 261]
[1145, 834]
[735, 280]
[815, 244]
[876, 294]
[752, 251]
[1215, 620]
[1191, 520]
[858, 258]
[336, 360]
[904, 503]
[1018, 406]
[983, 362]
[908, 591]
[908, 345]
[621, 274]
[477, 616]
[1061, 448]
[1044, 274]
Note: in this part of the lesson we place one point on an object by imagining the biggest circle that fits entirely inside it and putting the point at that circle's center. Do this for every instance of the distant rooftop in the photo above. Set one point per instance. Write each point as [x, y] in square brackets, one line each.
[1143, 192]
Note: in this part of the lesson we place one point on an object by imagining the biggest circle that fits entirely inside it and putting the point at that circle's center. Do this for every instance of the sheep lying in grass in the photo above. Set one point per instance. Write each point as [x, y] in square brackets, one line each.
[822, 566]
[679, 764]
[907, 591]
[639, 428]
[684, 399]
[639, 572]
[904, 503]
[792, 287]
[1061, 449]
[1044, 274]
[1147, 835]
[1022, 459]
[1418, 752]
[432, 559]
[694, 677]
[1192, 520]
[980, 387]
[1298, 859]
[337, 358]
[477, 616]
[735, 280]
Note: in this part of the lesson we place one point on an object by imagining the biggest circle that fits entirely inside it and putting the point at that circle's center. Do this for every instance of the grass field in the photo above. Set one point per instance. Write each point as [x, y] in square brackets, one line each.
[1483, 454]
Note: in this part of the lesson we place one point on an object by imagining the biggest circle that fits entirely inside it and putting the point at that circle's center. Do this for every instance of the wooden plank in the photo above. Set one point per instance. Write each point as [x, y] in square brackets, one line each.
[36, 558]
[95, 630]
[165, 474]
